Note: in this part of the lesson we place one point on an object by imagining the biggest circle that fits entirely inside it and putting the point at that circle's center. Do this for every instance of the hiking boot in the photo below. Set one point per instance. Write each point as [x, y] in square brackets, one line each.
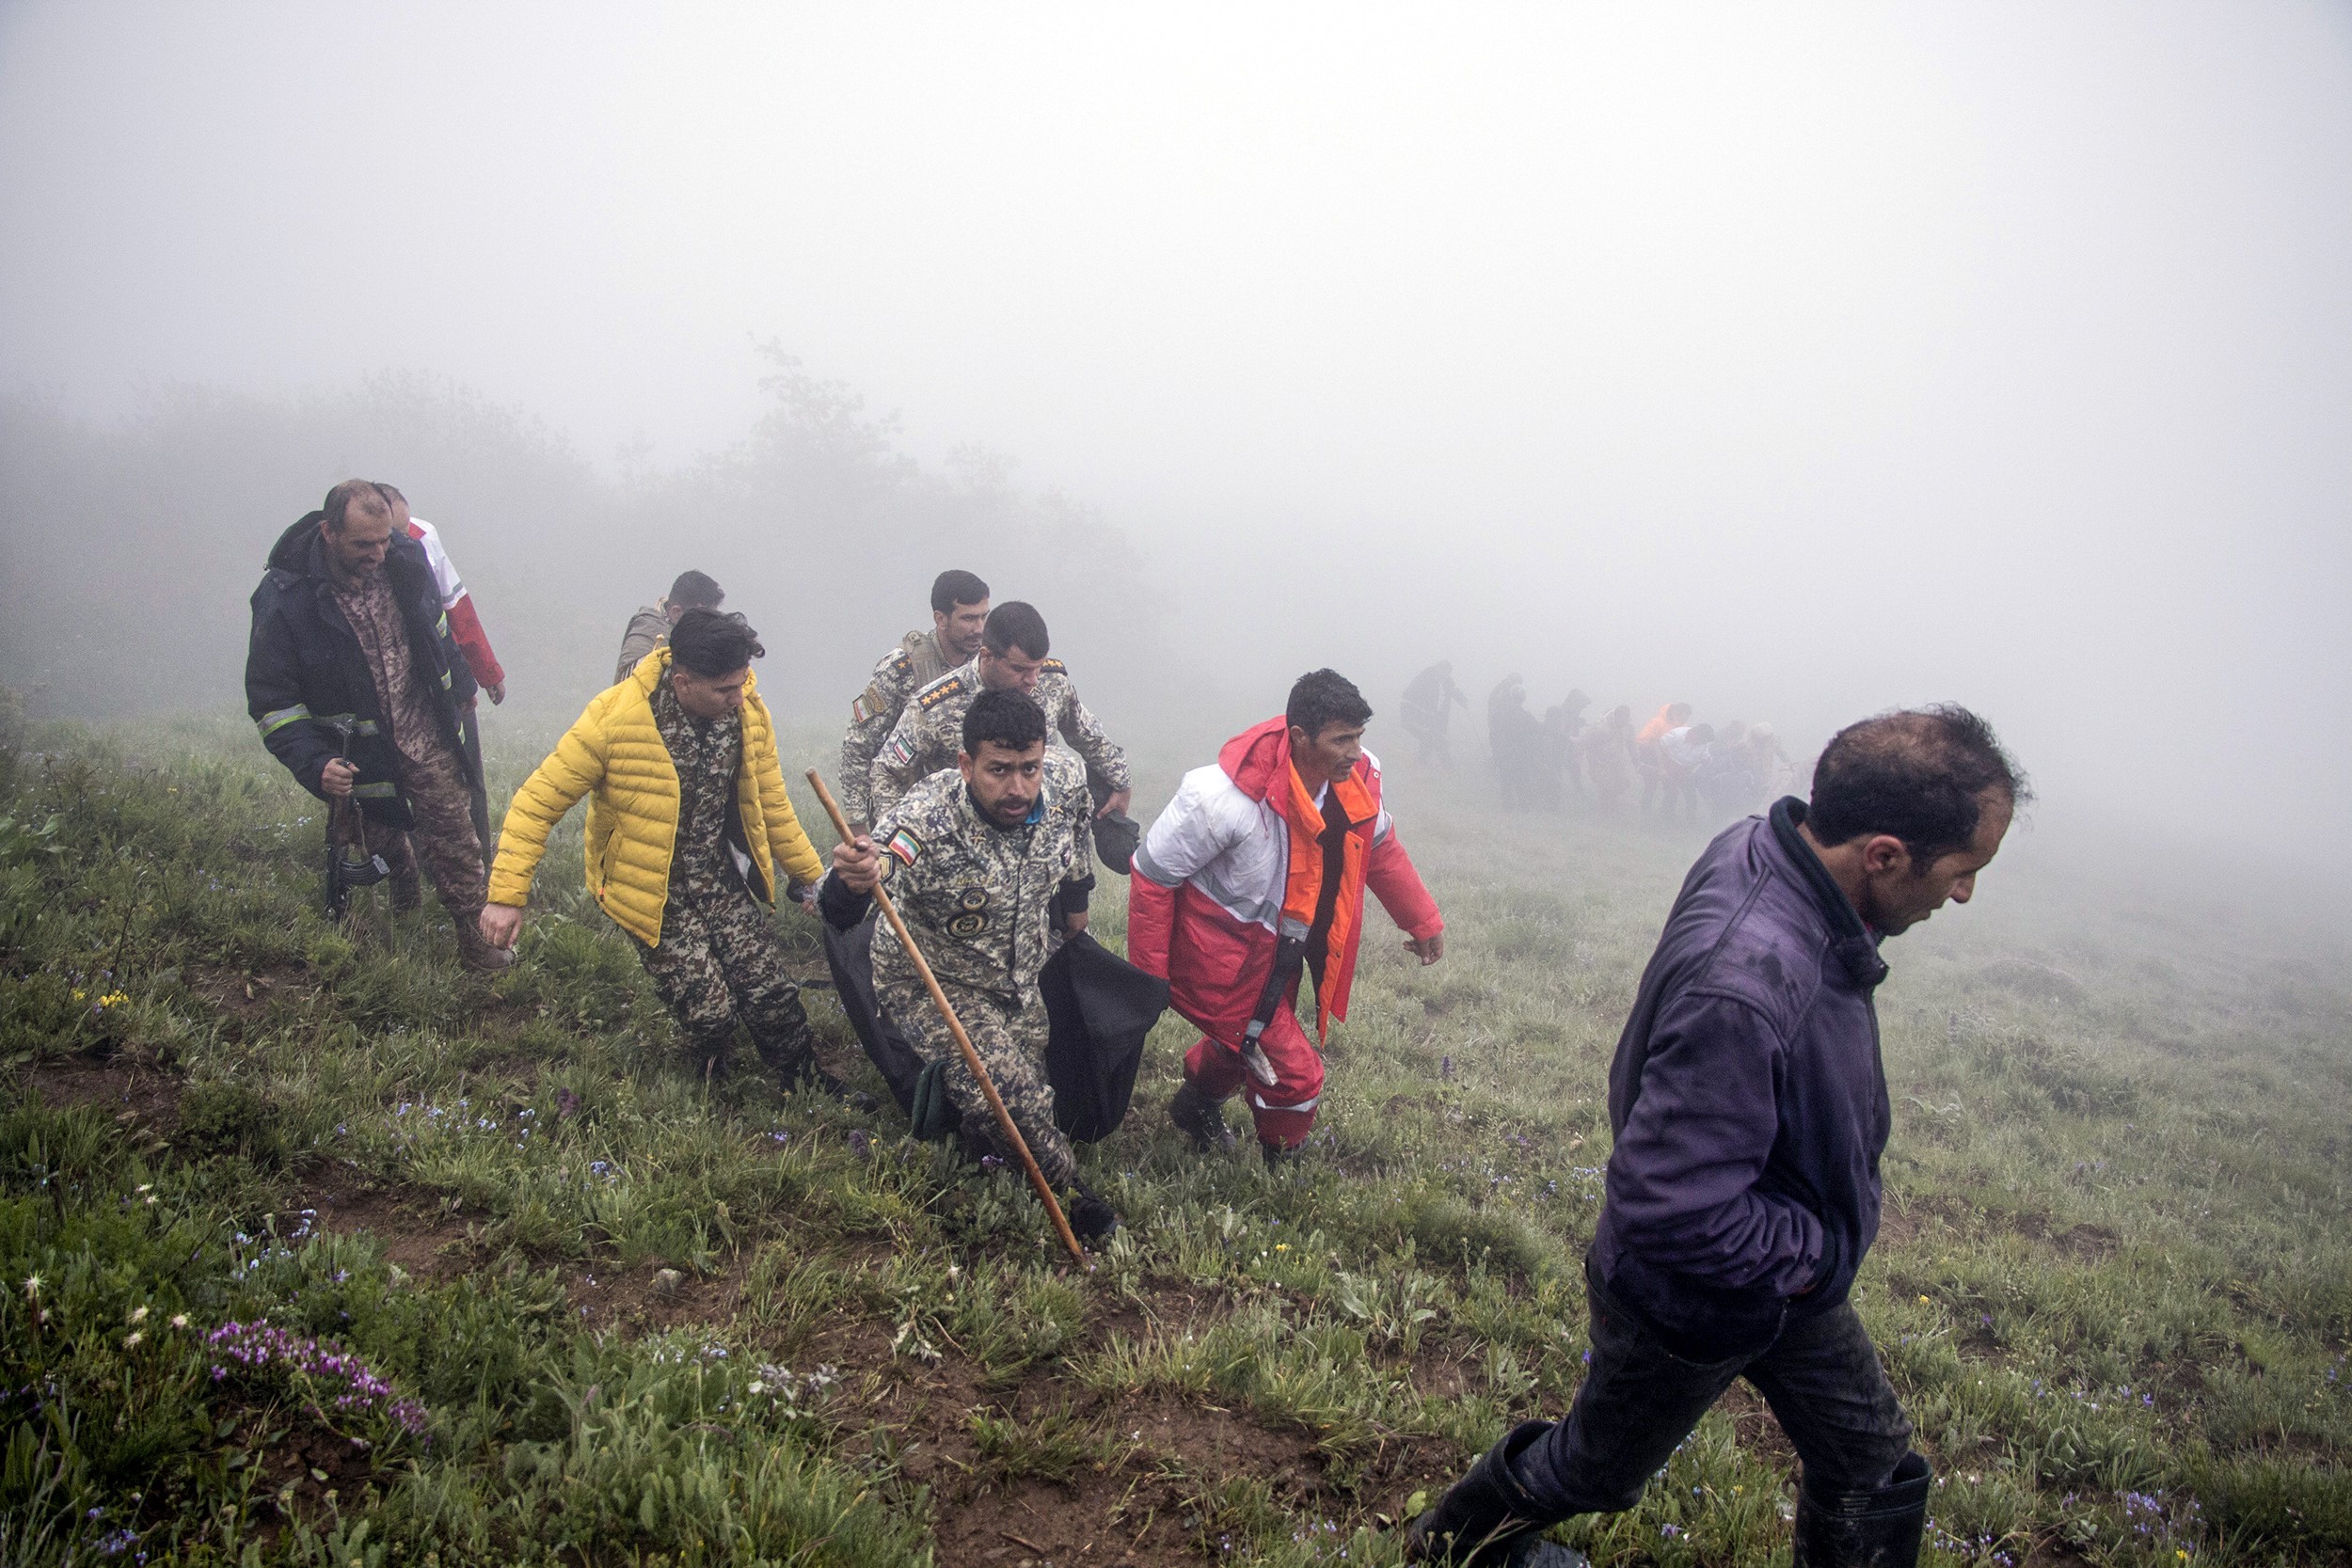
[1277, 1155]
[1878, 1529]
[474, 949]
[1201, 1119]
[1486, 1519]
[1091, 1219]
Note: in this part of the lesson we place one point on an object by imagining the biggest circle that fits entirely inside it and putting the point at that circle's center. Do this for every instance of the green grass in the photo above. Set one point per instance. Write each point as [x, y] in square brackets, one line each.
[638, 1319]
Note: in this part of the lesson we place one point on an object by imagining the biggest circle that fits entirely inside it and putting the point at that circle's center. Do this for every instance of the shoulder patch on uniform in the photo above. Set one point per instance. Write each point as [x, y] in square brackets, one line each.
[904, 845]
[866, 704]
[1057, 666]
[939, 692]
[901, 661]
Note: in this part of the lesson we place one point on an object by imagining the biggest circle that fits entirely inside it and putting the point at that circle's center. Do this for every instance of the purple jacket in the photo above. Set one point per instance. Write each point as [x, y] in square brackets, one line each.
[1748, 1102]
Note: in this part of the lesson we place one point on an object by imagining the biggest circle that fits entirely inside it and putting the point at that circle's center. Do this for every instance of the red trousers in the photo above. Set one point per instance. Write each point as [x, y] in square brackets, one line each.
[1284, 1110]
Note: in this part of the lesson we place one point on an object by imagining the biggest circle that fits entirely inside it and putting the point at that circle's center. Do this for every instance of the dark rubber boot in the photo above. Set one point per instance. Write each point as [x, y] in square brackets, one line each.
[1092, 1218]
[1486, 1519]
[1201, 1119]
[1865, 1529]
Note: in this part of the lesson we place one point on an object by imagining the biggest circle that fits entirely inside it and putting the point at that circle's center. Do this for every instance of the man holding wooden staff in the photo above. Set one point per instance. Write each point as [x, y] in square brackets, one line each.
[974, 857]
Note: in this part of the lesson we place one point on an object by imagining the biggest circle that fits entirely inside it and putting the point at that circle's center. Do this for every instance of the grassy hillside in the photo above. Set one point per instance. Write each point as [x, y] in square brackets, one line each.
[317, 1249]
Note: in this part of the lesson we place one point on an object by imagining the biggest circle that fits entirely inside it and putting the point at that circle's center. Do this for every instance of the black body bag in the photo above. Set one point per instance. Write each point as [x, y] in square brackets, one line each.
[1099, 1005]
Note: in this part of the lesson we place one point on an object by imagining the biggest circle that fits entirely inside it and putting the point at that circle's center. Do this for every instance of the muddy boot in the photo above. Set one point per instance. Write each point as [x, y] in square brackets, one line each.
[473, 948]
[1091, 1219]
[1201, 1119]
[1865, 1529]
[1486, 1519]
[1275, 1155]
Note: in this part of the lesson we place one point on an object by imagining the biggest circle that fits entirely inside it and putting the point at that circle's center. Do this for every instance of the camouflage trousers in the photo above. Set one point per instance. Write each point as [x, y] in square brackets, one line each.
[443, 841]
[719, 963]
[1011, 1043]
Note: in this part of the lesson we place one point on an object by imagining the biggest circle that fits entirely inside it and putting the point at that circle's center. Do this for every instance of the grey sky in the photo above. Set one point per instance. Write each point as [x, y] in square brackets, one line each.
[1798, 361]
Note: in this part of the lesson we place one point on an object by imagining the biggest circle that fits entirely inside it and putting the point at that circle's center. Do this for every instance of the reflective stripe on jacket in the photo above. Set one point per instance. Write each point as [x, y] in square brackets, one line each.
[1206, 900]
[304, 668]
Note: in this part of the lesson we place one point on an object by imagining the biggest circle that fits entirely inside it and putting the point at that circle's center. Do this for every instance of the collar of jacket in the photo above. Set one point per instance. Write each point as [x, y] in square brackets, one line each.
[1849, 938]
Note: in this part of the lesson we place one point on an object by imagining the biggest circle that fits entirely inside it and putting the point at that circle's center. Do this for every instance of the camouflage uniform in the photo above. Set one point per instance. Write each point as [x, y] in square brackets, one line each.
[433, 777]
[649, 630]
[929, 735]
[718, 959]
[915, 663]
[976, 898]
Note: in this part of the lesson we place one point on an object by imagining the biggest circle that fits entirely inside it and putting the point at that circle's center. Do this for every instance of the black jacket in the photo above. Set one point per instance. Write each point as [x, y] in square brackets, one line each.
[305, 669]
[1748, 1099]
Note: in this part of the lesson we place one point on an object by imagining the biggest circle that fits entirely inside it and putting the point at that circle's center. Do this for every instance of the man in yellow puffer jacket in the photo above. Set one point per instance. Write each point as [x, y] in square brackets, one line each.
[688, 828]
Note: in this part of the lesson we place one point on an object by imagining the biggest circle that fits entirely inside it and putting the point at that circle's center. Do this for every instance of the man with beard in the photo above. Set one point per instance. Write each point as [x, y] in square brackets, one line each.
[988, 864]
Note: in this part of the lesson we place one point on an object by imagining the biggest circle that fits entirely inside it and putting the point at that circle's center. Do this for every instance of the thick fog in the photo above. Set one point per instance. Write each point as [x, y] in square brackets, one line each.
[1796, 361]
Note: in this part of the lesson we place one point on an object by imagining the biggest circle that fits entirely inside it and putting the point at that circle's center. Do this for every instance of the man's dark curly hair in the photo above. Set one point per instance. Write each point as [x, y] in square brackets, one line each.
[1008, 718]
[1321, 698]
[713, 642]
[1919, 774]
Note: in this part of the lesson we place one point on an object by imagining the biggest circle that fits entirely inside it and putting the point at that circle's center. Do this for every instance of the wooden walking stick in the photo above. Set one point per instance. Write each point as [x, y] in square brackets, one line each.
[964, 1041]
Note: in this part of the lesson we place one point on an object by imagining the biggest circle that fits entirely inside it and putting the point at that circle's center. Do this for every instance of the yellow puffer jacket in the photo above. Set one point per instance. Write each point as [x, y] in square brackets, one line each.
[615, 756]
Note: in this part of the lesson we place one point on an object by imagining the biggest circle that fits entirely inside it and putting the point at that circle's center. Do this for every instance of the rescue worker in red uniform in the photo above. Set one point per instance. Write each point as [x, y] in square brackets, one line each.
[1254, 875]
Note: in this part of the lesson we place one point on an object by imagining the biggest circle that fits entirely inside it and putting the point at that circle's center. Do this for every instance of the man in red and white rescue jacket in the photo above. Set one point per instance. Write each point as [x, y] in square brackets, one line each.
[1254, 874]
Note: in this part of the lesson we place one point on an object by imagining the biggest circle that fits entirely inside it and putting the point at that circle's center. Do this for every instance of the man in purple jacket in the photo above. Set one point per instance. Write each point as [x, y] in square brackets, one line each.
[1749, 1110]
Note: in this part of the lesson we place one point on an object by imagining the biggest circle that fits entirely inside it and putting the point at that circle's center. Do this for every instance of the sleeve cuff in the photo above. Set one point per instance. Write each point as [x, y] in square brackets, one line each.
[840, 907]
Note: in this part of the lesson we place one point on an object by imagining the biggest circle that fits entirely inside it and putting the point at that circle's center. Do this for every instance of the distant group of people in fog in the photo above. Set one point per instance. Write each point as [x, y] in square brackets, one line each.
[1748, 1110]
[1684, 770]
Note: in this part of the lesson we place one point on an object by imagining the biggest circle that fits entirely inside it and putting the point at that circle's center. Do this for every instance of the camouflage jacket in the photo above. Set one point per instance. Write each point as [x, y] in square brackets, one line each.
[649, 630]
[930, 733]
[975, 895]
[915, 663]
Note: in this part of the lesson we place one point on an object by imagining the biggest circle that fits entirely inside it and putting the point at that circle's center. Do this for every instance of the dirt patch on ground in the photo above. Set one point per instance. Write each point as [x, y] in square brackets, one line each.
[2092, 1242]
[656, 1297]
[417, 1237]
[1759, 1432]
[2089, 1242]
[245, 994]
[308, 1471]
[142, 1097]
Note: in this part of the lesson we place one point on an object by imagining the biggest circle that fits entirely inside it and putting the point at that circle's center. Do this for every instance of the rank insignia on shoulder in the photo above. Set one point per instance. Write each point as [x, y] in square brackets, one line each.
[904, 845]
[1057, 666]
[952, 686]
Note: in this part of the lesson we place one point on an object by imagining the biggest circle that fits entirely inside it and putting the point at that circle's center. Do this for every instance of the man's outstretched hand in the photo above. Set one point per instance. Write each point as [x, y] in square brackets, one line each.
[856, 863]
[1428, 949]
[502, 924]
[1118, 802]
